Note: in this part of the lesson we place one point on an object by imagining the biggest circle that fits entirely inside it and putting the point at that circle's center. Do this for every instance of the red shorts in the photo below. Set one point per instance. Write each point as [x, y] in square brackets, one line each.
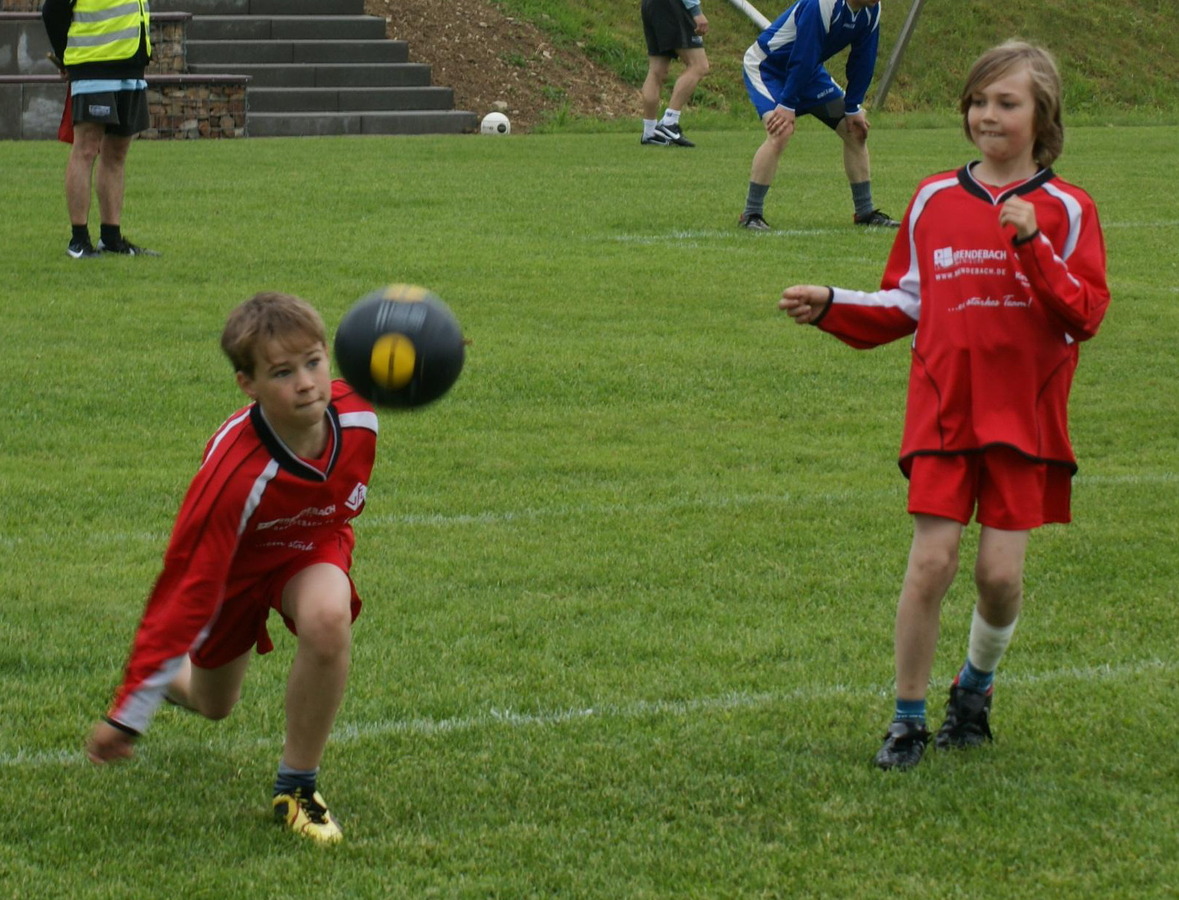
[1004, 489]
[241, 621]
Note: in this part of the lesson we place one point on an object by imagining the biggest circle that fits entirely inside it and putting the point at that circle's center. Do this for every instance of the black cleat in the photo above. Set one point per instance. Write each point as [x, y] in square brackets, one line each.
[968, 719]
[83, 250]
[125, 248]
[904, 744]
[655, 139]
[876, 219]
[673, 135]
[754, 222]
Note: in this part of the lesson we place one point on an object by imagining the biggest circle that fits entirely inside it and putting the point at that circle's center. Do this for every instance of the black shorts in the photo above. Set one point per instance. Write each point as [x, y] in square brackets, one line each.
[124, 113]
[830, 113]
[669, 28]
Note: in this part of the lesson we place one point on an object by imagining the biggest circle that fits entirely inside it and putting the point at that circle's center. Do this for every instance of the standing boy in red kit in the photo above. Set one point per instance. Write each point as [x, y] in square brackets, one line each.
[997, 273]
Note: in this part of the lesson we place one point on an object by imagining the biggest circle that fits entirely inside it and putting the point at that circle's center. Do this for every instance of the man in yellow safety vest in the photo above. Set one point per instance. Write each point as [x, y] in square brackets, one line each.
[104, 47]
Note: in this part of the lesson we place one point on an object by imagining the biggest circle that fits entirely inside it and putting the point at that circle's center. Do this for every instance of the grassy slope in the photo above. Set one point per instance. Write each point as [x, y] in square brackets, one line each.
[1117, 57]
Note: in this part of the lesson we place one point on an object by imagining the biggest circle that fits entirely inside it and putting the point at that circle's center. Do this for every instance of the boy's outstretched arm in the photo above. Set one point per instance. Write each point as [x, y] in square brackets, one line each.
[805, 303]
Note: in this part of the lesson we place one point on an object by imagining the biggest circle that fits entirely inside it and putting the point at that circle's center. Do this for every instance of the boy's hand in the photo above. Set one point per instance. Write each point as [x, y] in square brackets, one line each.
[805, 302]
[779, 121]
[1021, 216]
[108, 743]
[857, 125]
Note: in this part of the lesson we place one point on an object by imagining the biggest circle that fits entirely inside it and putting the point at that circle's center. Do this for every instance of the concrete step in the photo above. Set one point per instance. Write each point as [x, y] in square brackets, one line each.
[261, 7]
[290, 124]
[227, 53]
[389, 99]
[326, 75]
[286, 28]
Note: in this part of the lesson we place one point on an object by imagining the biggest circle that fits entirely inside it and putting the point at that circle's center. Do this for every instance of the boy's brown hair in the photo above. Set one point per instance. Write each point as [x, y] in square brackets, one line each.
[266, 316]
[1046, 92]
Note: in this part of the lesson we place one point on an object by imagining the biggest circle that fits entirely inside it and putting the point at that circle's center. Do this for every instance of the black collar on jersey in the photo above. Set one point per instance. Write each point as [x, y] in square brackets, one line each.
[282, 453]
[966, 179]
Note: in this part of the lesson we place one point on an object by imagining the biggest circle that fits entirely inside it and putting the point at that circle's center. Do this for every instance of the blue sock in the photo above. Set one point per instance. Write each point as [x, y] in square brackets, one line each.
[910, 711]
[290, 780]
[972, 679]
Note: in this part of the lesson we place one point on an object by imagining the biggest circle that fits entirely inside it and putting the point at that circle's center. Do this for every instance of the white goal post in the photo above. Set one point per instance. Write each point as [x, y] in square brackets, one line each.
[748, 8]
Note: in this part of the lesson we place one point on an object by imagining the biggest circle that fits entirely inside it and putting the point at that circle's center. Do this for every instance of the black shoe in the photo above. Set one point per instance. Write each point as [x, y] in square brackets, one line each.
[904, 743]
[673, 135]
[754, 222]
[968, 719]
[125, 248]
[655, 139]
[83, 250]
[876, 219]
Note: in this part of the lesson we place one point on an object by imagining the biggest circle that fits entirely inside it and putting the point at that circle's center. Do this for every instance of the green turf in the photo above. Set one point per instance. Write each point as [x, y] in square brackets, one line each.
[630, 587]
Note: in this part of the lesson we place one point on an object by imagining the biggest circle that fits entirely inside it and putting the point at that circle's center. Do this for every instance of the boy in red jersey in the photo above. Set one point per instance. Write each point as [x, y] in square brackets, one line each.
[265, 525]
[998, 272]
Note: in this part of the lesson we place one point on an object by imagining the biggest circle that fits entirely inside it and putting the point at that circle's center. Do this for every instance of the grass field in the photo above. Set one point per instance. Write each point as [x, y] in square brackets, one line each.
[630, 587]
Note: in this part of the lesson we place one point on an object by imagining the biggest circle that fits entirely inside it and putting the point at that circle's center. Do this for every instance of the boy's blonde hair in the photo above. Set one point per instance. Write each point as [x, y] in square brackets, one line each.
[267, 316]
[1046, 92]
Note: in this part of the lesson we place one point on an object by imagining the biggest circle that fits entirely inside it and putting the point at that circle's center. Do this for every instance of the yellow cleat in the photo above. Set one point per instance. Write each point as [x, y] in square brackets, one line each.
[307, 816]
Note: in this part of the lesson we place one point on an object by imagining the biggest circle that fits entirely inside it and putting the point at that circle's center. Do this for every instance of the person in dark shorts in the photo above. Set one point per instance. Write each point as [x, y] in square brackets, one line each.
[104, 47]
[672, 28]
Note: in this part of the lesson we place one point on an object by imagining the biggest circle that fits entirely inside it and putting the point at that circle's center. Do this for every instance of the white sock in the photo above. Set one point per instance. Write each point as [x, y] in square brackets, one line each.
[671, 117]
[988, 643]
[649, 127]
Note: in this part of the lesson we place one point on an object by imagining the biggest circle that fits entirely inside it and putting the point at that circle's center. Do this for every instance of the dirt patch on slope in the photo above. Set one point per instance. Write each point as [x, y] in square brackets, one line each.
[494, 62]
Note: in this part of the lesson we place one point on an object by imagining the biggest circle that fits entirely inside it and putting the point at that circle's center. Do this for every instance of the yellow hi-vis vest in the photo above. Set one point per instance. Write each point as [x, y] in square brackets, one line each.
[106, 31]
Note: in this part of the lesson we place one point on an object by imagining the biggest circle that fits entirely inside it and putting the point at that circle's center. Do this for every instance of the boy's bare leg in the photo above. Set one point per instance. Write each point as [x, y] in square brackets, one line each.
[318, 600]
[212, 693]
[933, 562]
[998, 574]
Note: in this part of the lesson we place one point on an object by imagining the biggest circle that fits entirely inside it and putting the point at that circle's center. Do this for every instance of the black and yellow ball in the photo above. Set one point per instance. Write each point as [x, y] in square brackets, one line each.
[400, 347]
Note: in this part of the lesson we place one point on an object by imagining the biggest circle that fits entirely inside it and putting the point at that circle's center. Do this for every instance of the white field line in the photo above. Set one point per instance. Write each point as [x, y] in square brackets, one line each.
[1170, 223]
[592, 509]
[509, 718]
[681, 235]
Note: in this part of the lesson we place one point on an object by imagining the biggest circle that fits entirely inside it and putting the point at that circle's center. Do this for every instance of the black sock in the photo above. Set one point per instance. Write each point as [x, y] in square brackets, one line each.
[110, 235]
[81, 234]
[288, 780]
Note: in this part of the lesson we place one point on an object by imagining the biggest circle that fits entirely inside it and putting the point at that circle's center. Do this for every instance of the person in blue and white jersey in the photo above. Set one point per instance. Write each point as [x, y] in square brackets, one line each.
[785, 78]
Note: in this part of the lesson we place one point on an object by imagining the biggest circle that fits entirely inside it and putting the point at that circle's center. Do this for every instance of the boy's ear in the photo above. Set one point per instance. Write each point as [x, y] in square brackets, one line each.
[246, 383]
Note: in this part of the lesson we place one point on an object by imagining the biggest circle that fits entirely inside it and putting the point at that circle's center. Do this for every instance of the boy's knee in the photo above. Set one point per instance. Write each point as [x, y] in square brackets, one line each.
[998, 584]
[935, 563]
[326, 630]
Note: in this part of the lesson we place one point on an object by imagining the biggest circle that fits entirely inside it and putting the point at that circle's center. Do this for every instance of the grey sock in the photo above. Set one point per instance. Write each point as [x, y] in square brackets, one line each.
[755, 200]
[862, 197]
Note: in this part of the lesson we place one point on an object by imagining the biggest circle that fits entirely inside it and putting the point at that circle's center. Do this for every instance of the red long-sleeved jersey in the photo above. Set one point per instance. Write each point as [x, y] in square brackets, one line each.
[995, 323]
[252, 508]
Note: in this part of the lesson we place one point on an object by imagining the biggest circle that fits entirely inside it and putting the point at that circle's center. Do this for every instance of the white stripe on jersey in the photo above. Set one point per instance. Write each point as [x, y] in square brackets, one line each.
[359, 420]
[911, 281]
[256, 492]
[1073, 208]
[227, 427]
[909, 304]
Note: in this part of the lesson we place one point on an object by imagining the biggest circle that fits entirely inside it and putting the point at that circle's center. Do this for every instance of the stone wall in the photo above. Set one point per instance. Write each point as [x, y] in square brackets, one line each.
[182, 106]
[183, 110]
